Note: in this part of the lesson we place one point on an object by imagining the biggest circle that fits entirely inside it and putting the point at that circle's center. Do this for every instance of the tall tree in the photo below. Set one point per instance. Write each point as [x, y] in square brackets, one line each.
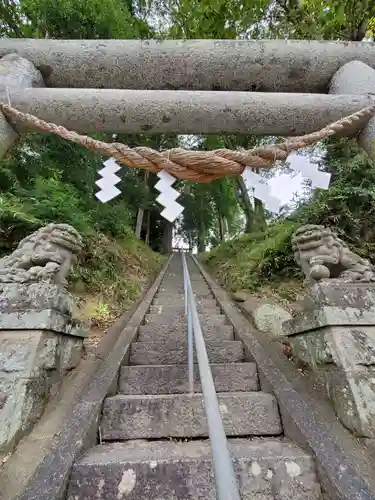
[322, 19]
[58, 176]
[73, 19]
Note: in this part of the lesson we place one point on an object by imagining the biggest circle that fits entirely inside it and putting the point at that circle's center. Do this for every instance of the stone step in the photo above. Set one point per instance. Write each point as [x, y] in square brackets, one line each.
[175, 353]
[178, 299]
[183, 416]
[266, 469]
[173, 379]
[164, 332]
[180, 310]
[180, 317]
[198, 287]
[172, 289]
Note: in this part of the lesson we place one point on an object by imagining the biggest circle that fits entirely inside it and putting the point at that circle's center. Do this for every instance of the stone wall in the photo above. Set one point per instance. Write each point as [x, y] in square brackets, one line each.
[32, 366]
[335, 337]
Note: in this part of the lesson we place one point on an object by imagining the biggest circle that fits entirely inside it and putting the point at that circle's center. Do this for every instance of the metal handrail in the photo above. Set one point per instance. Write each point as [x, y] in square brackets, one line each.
[225, 478]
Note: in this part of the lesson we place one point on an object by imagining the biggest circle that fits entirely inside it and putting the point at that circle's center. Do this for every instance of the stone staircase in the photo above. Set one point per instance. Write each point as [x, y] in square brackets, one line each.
[154, 435]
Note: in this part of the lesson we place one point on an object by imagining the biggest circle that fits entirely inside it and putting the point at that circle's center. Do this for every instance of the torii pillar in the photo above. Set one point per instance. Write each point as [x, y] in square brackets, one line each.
[15, 73]
[356, 77]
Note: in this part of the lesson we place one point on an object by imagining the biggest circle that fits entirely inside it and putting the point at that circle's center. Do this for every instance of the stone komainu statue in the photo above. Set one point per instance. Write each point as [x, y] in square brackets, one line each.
[321, 255]
[45, 255]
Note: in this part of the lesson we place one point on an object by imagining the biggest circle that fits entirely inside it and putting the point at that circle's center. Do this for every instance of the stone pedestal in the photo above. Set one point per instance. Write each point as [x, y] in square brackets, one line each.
[39, 344]
[335, 337]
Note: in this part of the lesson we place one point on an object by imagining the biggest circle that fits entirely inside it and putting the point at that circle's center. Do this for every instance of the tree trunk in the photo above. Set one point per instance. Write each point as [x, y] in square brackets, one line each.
[226, 226]
[260, 216]
[201, 238]
[221, 221]
[139, 223]
[167, 238]
[141, 210]
[201, 243]
[190, 242]
[246, 204]
[147, 239]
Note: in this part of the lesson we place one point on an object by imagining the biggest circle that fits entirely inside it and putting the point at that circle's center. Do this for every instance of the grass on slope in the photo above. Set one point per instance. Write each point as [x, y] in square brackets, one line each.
[261, 263]
[110, 276]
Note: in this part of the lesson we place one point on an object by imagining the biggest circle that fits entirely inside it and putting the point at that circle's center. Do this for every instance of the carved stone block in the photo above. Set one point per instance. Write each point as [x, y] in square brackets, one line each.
[41, 295]
[335, 337]
[31, 363]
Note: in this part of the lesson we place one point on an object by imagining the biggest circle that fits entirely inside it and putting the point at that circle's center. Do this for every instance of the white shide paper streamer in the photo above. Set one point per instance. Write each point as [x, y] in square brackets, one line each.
[167, 197]
[107, 183]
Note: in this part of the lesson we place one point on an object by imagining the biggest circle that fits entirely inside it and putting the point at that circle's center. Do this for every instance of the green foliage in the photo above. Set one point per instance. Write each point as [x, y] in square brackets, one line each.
[263, 258]
[210, 18]
[15, 223]
[254, 259]
[72, 19]
[46, 179]
[348, 205]
[114, 270]
[319, 19]
[51, 200]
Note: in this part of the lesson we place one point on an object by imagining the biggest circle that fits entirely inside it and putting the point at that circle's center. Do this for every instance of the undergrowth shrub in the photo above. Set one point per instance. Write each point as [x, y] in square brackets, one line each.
[256, 258]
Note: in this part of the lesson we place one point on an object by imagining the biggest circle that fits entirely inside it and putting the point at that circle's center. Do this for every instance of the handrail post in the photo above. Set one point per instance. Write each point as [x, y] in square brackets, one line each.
[225, 478]
[185, 284]
[188, 313]
[190, 350]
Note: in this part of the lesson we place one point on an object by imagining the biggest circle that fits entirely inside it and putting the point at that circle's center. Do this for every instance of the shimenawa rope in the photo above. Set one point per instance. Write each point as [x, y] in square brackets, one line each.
[201, 166]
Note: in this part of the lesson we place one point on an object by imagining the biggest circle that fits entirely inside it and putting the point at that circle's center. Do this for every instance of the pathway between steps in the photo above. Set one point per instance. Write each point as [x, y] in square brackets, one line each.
[154, 435]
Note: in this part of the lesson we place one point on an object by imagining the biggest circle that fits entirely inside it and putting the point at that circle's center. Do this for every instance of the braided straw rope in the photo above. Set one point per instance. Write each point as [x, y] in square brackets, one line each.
[202, 166]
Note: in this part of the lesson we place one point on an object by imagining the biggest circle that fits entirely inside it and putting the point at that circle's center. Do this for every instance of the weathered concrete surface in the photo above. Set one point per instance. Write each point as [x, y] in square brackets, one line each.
[21, 296]
[15, 73]
[355, 77]
[330, 303]
[183, 415]
[173, 379]
[163, 353]
[214, 329]
[339, 295]
[345, 470]
[187, 112]
[265, 66]
[335, 336]
[175, 319]
[343, 358]
[46, 319]
[31, 363]
[180, 310]
[266, 470]
[179, 301]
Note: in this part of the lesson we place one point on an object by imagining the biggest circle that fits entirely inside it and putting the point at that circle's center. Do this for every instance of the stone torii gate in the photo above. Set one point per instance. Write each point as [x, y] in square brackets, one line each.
[273, 87]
